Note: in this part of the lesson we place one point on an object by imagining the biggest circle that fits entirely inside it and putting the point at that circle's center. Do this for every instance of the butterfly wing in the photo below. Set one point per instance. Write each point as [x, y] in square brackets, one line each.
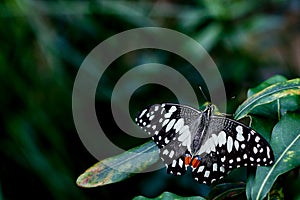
[171, 127]
[228, 145]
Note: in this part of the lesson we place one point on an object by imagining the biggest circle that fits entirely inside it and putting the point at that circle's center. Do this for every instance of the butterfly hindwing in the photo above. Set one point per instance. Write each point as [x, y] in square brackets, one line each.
[229, 145]
[237, 144]
[209, 170]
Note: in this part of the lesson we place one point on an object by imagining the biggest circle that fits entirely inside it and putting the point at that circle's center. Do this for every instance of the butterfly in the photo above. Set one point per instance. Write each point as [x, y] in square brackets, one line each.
[212, 145]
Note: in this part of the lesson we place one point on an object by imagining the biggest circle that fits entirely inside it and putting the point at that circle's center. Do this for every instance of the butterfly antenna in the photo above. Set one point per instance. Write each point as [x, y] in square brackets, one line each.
[203, 94]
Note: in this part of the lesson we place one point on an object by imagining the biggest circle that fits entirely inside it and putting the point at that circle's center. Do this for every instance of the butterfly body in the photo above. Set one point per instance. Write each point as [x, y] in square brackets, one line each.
[212, 145]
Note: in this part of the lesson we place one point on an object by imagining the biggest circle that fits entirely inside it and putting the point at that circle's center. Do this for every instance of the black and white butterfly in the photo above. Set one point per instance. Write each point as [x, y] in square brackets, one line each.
[211, 144]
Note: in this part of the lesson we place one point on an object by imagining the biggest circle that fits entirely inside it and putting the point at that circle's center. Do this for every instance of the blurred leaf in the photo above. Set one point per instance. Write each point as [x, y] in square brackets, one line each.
[228, 9]
[268, 95]
[190, 19]
[277, 194]
[285, 144]
[133, 161]
[227, 190]
[169, 196]
[209, 36]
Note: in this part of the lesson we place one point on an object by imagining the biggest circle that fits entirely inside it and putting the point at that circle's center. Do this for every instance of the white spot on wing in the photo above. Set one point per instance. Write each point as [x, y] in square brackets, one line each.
[151, 117]
[223, 159]
[166, 140]
[168, 115]
[222, 169]
[180, 163]
[254, 150]
[206, 174]
[229, 144]
[143, 112]
[239, 135]
[173, 109]
[165, 122]
[221, 138]
[200, 169]
[257, 139]
[236, 145]
[261, 150]
[243, 146]
[268, 152]
[170, 125]
[165, 152]
[171, 154]
[179, 124]
[174, 163]
[215, 167]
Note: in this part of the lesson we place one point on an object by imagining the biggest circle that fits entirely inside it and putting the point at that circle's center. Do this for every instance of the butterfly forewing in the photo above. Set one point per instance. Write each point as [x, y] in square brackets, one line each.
[212, 145]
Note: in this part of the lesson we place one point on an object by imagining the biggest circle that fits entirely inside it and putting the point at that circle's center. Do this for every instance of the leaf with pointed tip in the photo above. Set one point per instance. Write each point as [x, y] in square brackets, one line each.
[169, 195]
[285, 143]
[120, 167]
[268, 95]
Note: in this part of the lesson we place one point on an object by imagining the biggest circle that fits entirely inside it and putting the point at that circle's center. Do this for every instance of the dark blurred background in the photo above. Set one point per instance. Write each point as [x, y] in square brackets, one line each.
[43, 44]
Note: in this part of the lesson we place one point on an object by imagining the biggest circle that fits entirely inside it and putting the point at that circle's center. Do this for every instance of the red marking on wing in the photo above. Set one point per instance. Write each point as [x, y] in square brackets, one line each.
[195, 162]
[187, 159]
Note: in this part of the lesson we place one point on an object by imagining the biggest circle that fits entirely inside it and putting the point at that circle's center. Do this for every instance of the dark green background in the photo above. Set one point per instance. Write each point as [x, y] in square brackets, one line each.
[43, 44]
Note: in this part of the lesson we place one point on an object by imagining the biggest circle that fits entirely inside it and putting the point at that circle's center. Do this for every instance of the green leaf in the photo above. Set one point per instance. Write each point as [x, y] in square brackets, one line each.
[249, 185]
[120, 167]
[265, 84]
[268, 95]
[263, 126]
[170, 196]
[285, 143]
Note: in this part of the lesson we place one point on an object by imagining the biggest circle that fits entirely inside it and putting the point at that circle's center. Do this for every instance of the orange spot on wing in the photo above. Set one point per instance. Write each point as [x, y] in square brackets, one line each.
[195, 162]
[187, 160]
